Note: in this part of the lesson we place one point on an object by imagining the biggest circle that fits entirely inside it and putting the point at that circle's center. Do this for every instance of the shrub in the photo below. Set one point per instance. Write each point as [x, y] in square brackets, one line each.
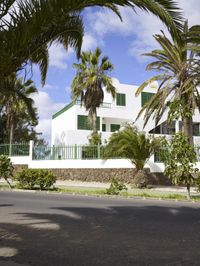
[6, 168]
[180, 161]
[197, 181]
[26, 178]
[45, 179]
[115, 187]
[32, 178]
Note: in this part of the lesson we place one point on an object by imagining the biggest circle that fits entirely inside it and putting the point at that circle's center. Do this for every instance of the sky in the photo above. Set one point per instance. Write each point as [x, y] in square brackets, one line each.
[123, 42]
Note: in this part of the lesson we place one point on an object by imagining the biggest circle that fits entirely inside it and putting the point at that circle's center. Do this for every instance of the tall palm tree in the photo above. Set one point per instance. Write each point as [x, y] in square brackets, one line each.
[16, 100]
[91, 77]
[31, 26]
[178, 75]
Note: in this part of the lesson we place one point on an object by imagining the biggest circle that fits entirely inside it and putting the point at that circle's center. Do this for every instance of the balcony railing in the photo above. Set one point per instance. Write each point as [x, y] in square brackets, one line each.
[103, 105]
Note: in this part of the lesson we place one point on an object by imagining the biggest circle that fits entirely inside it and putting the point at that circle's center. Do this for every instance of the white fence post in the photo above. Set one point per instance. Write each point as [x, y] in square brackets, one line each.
[31, 145]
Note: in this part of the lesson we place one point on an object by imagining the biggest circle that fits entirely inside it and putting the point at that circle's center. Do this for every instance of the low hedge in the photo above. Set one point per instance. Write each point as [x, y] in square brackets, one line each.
[35, 178]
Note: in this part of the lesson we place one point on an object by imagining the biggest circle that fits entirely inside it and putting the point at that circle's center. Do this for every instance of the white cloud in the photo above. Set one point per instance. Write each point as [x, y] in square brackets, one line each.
[89, 42]
[49, 87]
[46, 108]
[59, 56]
[138, 27]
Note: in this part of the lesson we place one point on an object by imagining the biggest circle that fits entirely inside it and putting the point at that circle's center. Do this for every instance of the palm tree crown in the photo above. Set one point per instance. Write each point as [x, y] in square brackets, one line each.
[91, 77]
[18, 99]
[178, 76]
[33, 25]
[130, 144]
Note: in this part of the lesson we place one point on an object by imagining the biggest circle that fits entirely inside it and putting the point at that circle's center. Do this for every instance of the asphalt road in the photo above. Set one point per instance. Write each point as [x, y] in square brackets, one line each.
[44, 229]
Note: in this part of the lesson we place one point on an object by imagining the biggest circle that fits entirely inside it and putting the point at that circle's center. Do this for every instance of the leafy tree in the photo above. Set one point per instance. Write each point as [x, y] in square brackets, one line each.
[178, 75]
[6, 168]
[133, 145]
[31, 26]
[92, 75]
[180, 158]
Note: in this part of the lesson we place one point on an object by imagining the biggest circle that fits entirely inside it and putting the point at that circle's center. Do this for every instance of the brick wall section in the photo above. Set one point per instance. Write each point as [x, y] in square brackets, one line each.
[104, 175]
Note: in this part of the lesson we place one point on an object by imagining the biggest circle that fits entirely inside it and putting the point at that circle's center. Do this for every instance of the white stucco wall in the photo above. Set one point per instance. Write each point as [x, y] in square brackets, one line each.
[65, 125]
[61, 124]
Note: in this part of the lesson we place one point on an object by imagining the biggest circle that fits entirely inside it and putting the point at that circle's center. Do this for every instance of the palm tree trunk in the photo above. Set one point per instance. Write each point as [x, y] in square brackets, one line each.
[188, 129]
[94, 122]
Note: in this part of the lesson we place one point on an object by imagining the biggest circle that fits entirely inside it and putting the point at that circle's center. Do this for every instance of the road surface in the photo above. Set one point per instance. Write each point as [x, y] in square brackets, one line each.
[47, 229]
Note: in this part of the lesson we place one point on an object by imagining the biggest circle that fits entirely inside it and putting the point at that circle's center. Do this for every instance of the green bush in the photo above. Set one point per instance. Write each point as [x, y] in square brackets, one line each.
[6, 168]
[45, 179]
[115, 187]
[33, 178]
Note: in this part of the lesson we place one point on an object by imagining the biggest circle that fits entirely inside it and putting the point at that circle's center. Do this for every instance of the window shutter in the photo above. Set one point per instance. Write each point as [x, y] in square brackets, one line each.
[145, 97]
[121, 99]
[83, 123]
[114, 127]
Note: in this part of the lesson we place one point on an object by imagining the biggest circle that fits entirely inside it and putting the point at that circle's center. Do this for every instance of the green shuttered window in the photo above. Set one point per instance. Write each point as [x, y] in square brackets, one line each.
[84, 124]
[104, 127]
[146, 96]
[114, 127]
[121, 99]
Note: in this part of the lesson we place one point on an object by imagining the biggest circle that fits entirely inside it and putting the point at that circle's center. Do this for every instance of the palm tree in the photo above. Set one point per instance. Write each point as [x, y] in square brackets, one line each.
[133, 145]
[18, 99]
[91, 77]
[31, 26]
[178, 75]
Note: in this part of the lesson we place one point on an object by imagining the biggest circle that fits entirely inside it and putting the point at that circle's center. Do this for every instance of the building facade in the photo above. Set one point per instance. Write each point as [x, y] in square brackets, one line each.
[70, 125]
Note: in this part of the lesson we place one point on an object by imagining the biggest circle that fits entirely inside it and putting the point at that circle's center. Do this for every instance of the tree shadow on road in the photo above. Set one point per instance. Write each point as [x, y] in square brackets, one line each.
[114, 235]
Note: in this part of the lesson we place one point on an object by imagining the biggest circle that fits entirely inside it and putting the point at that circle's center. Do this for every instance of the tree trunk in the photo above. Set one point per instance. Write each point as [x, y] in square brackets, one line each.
[188, 129]
[94, 122]
[188, 191]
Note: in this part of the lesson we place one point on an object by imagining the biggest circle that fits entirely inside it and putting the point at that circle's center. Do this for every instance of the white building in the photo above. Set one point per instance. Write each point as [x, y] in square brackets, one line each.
[70, 124]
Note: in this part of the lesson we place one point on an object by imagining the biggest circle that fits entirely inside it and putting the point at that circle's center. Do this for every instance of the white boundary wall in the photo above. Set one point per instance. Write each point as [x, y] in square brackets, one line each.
[71, 164]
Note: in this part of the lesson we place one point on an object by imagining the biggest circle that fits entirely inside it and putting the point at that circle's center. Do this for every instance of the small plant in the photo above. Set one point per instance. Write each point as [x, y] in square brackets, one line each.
[6, 168]
[32, 178]
[116, 187]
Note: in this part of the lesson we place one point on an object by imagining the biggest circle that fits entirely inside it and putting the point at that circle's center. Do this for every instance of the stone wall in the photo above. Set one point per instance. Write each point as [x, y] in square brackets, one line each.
[104, 175]
[18, 167]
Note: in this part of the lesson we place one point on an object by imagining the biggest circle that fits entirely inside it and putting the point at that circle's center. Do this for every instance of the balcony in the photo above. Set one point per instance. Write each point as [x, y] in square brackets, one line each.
[103, 105]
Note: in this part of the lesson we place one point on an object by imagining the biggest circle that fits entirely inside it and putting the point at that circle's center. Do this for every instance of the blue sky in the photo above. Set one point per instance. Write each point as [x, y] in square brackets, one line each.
[123, 42]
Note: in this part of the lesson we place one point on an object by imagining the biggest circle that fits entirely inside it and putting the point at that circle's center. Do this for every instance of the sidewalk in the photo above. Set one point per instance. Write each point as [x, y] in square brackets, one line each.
[99, 185]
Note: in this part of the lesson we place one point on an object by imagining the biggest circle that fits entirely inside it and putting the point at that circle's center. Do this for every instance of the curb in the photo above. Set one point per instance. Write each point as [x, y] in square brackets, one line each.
[100, 196]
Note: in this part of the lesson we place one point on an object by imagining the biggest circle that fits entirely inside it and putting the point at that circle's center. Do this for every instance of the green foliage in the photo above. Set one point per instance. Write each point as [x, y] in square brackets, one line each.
[45, 179]
[92, 74]
[33, 178]
[180, 159]
[18, 115]
[177, 70]
[6, 168]
[116, 187]
[95, 139]
[133, 145]
[197, 181]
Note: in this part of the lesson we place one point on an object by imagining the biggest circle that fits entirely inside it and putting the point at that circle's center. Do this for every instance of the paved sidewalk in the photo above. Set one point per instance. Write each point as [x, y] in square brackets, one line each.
[99, 185]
